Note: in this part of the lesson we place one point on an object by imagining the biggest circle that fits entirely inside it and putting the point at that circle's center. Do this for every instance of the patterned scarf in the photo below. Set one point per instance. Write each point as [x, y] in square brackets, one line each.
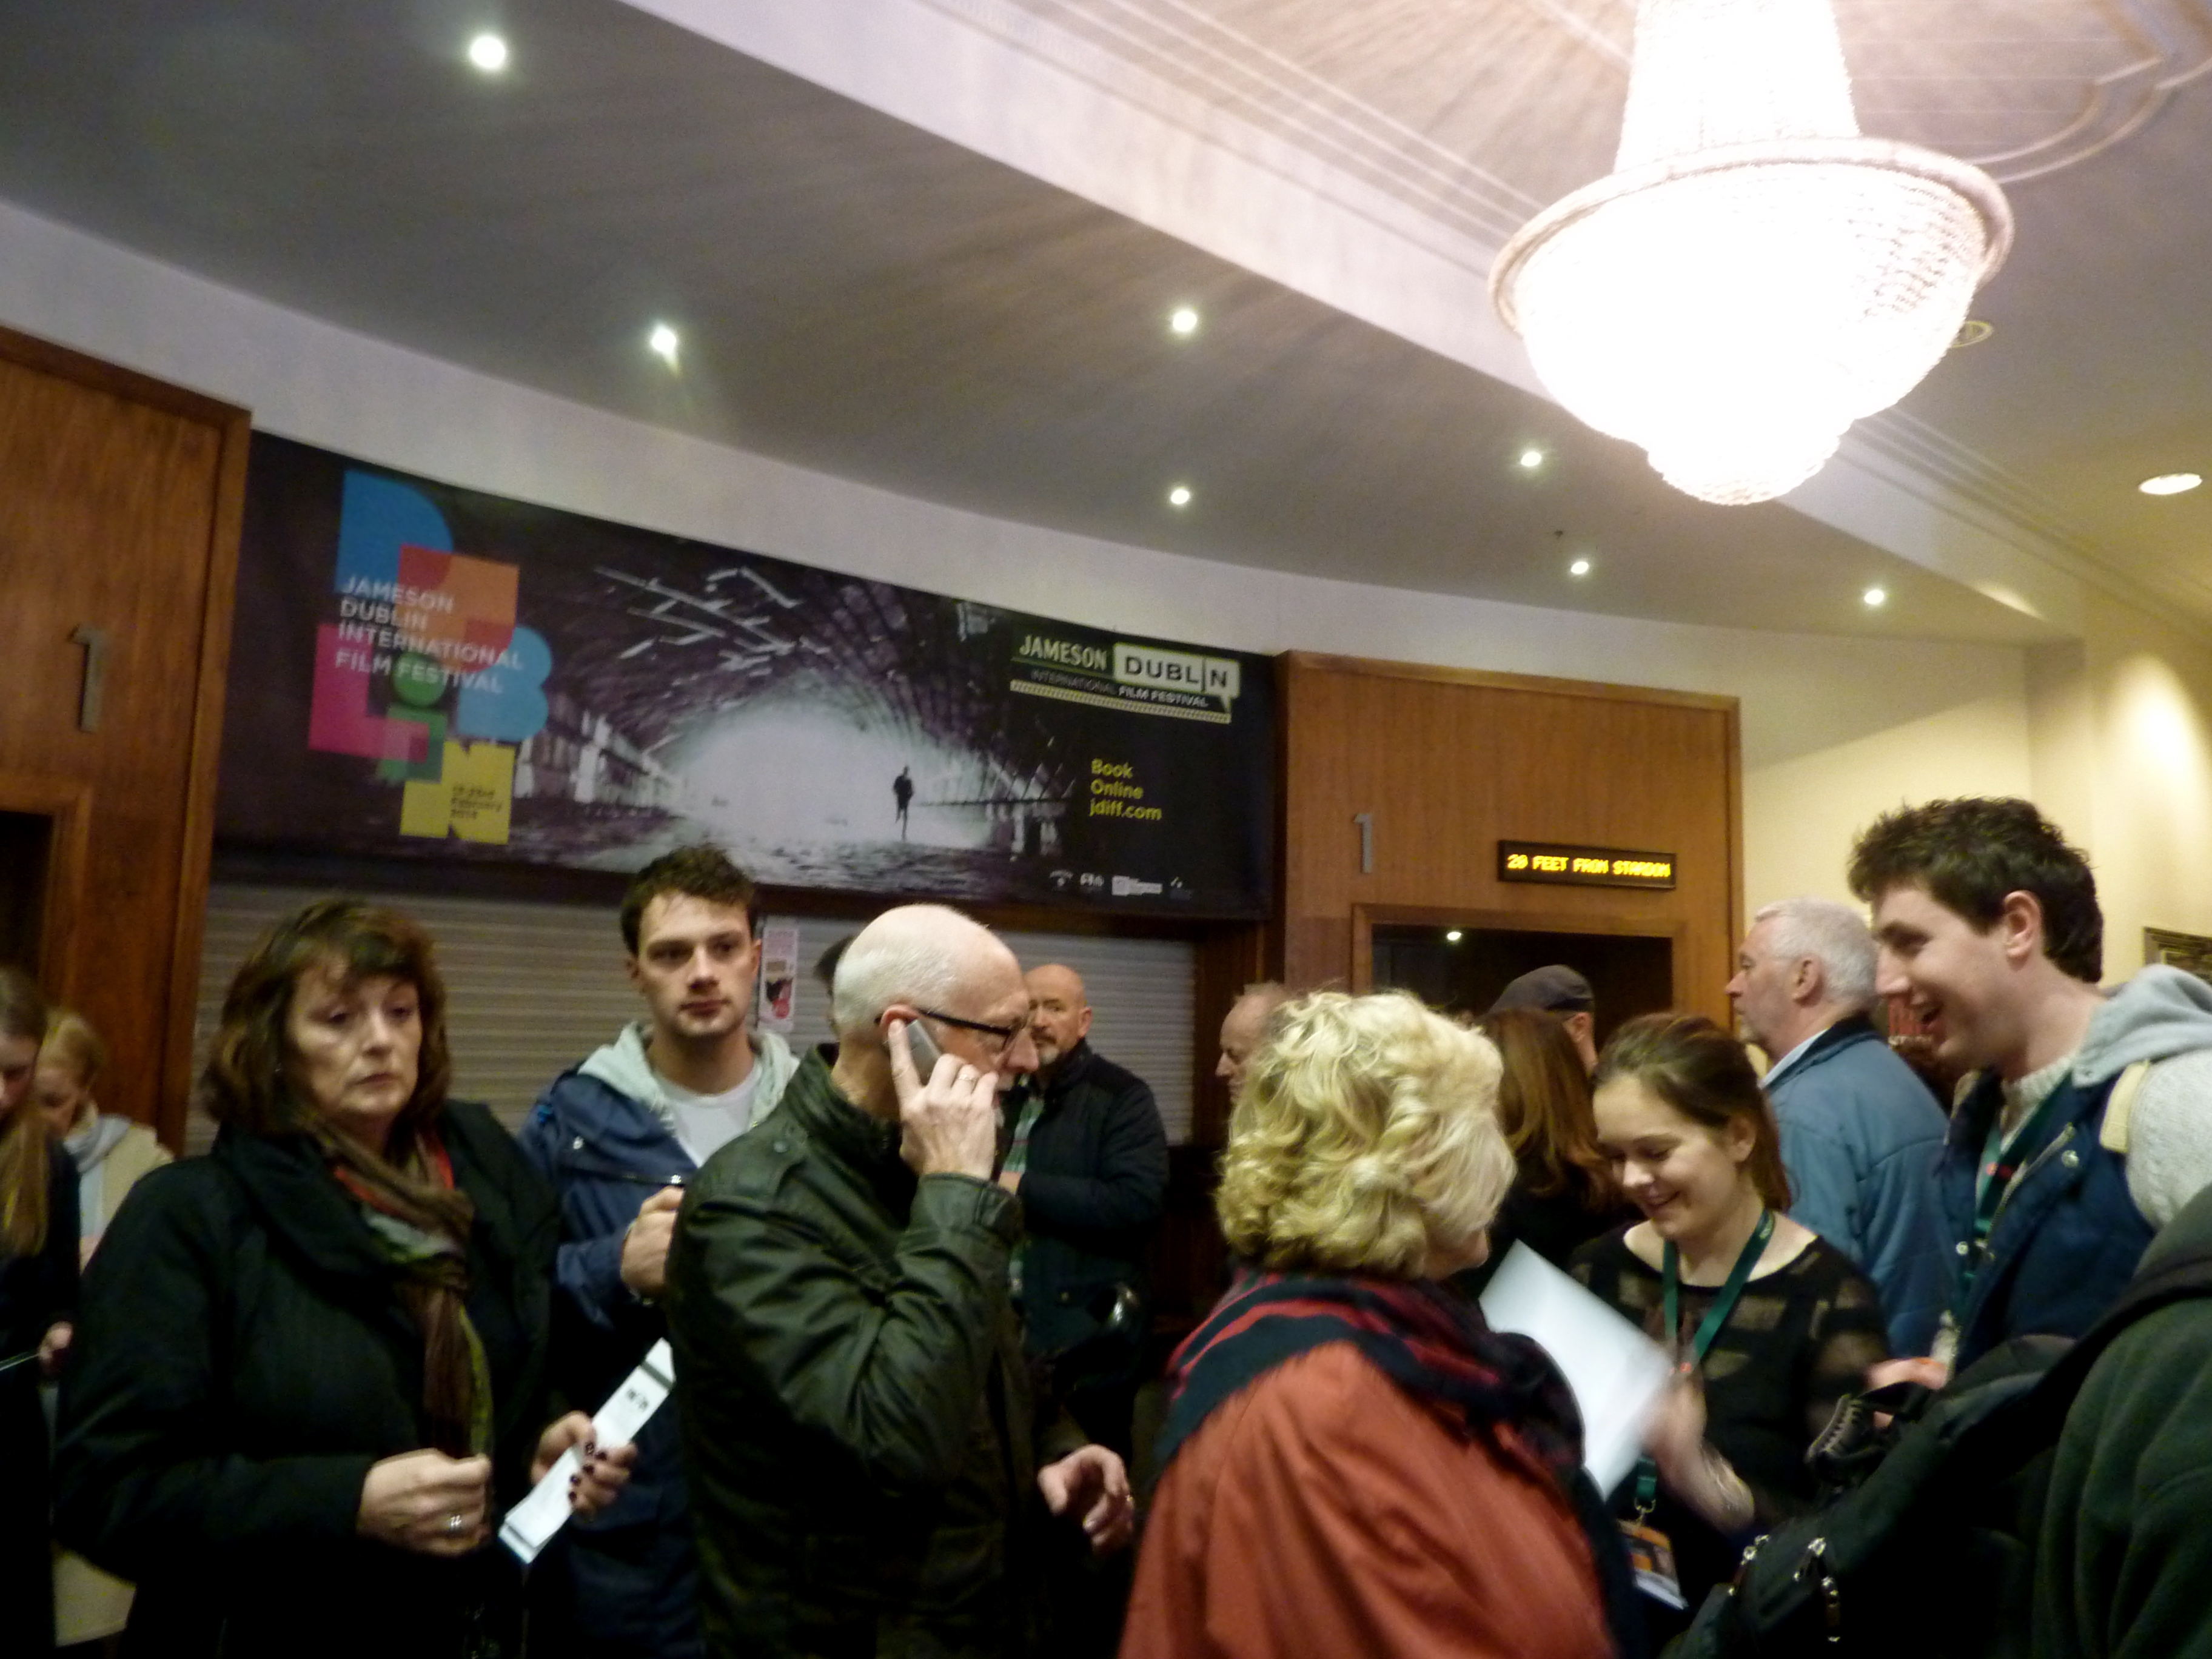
[1433, 1344]
[421, 1240]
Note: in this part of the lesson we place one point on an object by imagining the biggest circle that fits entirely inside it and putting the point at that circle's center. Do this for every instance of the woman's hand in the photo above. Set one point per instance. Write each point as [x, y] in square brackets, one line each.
[1091, 1484]
[603, 1472]
[1693, 1468]
[53, 1348]
[427, 1502]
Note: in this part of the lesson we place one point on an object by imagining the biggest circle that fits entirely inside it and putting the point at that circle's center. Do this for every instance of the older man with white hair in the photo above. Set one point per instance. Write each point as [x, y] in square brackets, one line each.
[1860, 1132]
[864, 1452]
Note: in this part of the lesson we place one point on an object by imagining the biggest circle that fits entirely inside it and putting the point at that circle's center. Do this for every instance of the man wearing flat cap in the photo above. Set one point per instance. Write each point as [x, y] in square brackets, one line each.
[1558, 989]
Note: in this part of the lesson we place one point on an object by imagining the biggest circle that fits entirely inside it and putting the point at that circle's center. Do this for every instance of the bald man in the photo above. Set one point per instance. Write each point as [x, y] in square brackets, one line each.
[1088, 1161]
[854, 1399]
[1242, 1028]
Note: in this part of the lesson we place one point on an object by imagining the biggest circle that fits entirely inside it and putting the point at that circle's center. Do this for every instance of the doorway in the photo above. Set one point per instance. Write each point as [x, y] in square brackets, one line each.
[1460, 967]
[26, 863]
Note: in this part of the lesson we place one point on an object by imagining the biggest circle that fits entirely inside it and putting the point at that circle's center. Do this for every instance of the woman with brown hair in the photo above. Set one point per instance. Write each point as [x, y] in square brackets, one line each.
[37, 1289]
[1564, 1194]
[1770, 1325]
[311, 1369]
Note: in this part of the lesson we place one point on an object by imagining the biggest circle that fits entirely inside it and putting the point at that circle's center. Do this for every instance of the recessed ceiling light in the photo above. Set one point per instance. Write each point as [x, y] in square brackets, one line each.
[1876, 597]
[1579, 567]
[1179, 496]
[488, 53]
[2170, 483]
[664, 343]
[1532, 458]
[1184, 320]
[1452, 936]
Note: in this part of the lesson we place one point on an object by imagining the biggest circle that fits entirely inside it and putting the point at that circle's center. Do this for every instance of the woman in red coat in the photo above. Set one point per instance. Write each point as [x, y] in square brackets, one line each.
[1355, 1463]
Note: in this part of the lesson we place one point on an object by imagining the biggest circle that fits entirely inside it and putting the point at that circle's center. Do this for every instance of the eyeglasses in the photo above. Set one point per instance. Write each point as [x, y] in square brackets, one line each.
[1005, 1034]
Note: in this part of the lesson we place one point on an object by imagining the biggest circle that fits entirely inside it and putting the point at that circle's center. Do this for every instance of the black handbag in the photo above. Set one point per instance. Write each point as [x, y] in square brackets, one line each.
[1926, 1547]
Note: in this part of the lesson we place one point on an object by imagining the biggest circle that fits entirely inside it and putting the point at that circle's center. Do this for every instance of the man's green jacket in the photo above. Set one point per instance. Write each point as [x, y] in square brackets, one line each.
[854, 1404]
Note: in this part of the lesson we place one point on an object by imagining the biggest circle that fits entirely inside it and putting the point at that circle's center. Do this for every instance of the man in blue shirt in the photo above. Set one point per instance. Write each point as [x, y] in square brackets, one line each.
[1860, 1132]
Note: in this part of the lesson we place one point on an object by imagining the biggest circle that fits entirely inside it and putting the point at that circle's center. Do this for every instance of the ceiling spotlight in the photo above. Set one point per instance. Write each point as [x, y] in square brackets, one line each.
[1875, 598]
[488, 53]
[2170, 483]
[1579, 567]
[663, 343]
[1179, 496]
[1184, 320]
[1532, 458]
[1453, 936]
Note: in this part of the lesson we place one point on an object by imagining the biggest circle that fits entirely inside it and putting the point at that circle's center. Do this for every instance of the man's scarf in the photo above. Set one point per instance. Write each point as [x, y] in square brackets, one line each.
[1433, 1344]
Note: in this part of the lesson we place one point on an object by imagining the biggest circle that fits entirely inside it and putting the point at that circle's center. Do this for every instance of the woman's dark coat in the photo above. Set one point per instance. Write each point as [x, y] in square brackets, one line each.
[242, 1358]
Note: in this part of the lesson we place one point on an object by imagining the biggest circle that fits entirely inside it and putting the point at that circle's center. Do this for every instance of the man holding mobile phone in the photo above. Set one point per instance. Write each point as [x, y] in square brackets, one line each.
[619, 1136]
[864, 1452]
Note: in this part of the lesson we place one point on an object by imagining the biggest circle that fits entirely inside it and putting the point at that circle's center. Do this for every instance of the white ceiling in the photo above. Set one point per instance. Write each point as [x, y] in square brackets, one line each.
[861, 296]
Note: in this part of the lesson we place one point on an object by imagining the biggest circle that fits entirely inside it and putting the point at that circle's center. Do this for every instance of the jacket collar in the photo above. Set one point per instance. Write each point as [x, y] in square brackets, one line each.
[1071, 1071]
[867, 1143]
[624, 1066]
[287, 1181]
[1851, 1028]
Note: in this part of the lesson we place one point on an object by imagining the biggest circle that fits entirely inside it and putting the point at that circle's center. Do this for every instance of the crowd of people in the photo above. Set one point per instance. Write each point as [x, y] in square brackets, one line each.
[297, 1382]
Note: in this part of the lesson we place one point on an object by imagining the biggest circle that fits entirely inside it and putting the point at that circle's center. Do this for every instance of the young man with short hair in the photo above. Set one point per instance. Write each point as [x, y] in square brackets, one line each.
[620, 1136]
[2054, 1176]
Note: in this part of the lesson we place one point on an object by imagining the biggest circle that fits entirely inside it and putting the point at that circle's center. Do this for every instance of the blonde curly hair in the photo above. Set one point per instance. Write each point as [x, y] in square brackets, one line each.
[1364, 1140]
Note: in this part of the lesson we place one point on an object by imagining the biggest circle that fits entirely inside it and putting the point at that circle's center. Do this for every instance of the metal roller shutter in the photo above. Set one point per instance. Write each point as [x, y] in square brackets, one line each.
[533, 986]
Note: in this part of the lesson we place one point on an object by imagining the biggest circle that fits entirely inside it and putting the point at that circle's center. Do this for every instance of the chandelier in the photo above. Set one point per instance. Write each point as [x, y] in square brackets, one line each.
[1754, 276]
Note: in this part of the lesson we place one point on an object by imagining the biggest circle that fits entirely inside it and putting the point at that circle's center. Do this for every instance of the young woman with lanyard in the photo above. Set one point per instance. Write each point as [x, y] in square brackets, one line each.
[1771, 1325]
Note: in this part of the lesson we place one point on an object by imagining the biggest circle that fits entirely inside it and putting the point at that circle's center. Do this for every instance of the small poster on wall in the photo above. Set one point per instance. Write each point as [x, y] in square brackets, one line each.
[427, 672]
[779, 978]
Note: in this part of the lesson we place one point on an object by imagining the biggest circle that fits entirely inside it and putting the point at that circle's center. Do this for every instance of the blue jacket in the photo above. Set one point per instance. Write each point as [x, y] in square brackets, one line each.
[2070, 1232]
[1860, 1136]
[2066, 1238]
[606, 1149]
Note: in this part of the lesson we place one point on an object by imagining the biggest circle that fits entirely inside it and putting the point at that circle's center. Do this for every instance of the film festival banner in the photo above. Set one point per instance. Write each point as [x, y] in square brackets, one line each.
[427, 672]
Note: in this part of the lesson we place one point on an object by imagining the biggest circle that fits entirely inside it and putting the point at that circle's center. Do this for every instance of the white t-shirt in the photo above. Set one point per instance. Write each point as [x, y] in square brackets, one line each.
[707, 1123]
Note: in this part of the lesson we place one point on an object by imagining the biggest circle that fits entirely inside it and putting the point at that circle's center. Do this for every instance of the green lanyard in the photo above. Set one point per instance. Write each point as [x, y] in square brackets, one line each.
[1647, 1471]
[1997, 1171]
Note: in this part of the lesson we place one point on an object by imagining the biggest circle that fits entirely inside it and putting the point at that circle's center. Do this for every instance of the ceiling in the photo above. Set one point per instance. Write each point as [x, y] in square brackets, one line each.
[862, 297]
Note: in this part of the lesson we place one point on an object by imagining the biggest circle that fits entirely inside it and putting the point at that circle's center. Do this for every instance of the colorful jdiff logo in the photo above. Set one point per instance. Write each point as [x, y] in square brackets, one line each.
[426, 672]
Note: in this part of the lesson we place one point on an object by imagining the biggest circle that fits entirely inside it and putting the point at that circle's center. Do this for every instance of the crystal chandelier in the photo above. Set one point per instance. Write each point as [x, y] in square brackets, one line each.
[1754, 276]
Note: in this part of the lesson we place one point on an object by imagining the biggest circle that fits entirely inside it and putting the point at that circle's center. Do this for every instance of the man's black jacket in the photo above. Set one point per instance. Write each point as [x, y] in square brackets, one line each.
[1095, 1182]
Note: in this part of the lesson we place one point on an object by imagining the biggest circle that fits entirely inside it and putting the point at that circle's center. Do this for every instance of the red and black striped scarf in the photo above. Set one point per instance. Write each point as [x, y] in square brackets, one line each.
[1434, 1344]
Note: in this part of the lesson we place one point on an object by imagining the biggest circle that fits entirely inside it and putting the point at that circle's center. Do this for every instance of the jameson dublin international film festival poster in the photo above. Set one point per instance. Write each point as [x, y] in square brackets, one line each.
[428, 673]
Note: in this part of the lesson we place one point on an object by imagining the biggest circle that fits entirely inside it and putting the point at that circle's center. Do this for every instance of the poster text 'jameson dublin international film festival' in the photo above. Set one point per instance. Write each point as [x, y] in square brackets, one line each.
[420, 670]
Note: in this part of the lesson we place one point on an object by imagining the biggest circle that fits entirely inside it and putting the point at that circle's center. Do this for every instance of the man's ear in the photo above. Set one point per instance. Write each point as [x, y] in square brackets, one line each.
[2019, 927]
[636, 973]
[1807, 985]
[1082, 1030]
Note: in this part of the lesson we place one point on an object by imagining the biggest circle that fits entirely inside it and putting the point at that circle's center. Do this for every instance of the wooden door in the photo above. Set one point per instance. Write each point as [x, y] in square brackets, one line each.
[1444, 764]
[119, 502]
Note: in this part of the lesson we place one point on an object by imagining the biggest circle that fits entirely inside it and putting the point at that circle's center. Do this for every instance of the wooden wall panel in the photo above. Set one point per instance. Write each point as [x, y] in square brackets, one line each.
[1448, 764]
[119, 502]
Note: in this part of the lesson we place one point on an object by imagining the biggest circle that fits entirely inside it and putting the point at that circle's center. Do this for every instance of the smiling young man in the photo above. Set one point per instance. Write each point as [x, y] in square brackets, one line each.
[2061, 1162]
[620, 1136]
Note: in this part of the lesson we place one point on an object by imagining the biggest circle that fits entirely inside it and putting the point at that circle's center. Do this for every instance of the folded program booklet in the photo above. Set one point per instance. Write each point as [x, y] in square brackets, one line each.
[1616, 1372]
[531, 1524]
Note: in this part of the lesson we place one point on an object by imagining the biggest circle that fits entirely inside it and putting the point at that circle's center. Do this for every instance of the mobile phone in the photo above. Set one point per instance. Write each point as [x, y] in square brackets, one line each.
[923, 1046]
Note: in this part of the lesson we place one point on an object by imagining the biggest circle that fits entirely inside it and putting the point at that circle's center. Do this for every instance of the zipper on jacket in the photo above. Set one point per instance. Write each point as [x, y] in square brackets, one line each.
[2020, 1180]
